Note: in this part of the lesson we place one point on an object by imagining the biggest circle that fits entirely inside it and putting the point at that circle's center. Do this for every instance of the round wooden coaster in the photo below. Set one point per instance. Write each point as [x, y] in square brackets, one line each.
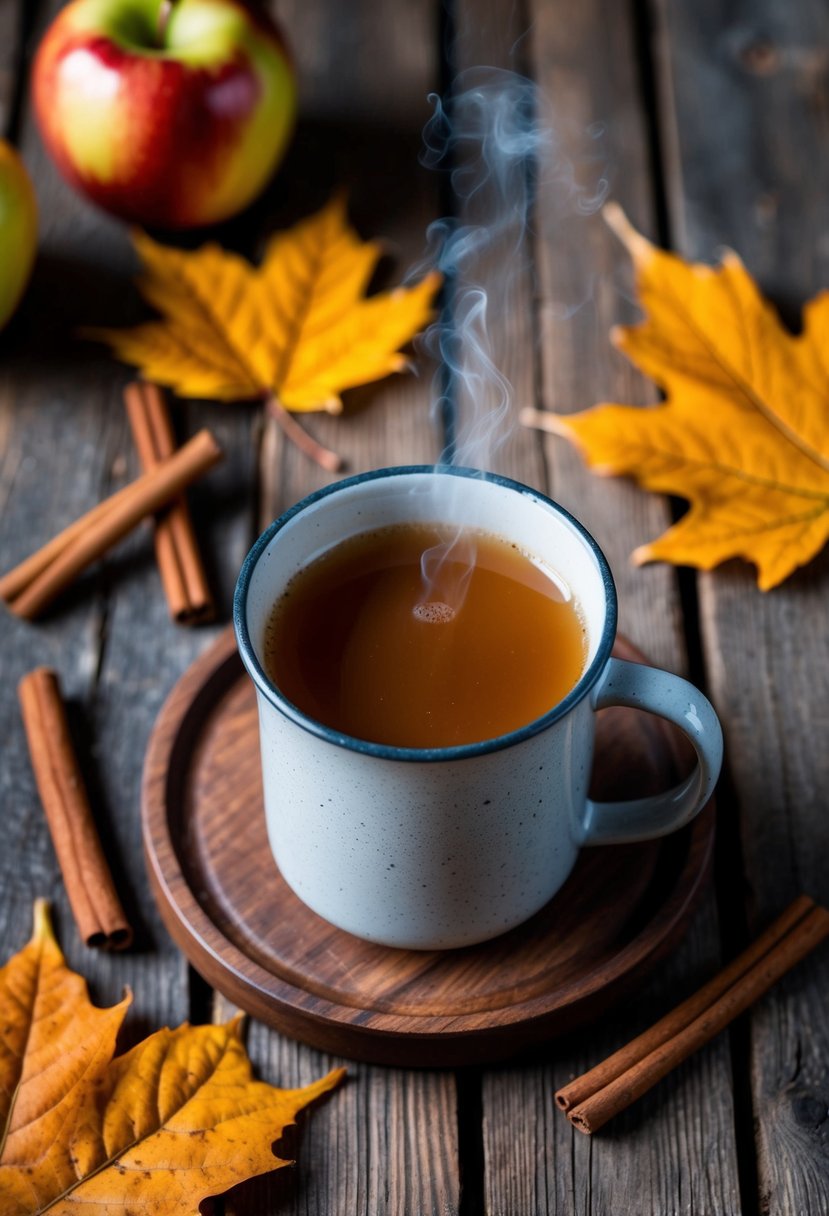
[243, 929]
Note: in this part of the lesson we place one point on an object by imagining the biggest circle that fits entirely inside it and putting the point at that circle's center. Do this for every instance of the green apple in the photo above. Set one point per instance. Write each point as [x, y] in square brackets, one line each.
[166, 114]
[18, 230]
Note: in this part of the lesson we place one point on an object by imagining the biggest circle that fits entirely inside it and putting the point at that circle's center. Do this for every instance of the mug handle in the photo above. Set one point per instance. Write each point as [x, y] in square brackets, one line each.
[674, 699]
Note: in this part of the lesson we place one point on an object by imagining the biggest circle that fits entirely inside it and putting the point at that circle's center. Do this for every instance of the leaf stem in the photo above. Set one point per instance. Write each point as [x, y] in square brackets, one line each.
[42, 920]
[165, 12]
[332, 462]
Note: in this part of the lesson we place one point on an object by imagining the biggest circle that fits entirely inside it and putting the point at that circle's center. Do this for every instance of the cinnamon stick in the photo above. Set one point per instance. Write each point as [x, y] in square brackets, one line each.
[18, 579]
[594, 1098]
[29, 588]
[176, 550]
[86, 874]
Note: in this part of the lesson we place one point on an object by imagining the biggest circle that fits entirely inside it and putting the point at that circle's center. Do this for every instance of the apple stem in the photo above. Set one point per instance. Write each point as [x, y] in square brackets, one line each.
[324, 457]
[164, 15]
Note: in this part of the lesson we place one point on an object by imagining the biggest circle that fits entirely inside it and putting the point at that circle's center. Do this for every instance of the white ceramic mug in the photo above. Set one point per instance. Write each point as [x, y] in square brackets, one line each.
[428, 848]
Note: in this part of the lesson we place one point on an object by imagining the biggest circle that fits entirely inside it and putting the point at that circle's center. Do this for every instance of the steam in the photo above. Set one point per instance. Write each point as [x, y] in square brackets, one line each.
[494, 136]
[489, 137]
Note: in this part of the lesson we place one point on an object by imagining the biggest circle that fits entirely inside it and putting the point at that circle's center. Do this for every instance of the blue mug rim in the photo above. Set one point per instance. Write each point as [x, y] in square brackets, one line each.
[386, 751]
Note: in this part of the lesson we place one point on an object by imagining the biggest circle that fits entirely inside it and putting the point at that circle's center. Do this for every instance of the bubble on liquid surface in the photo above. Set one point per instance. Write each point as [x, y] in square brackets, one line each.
[434, 612]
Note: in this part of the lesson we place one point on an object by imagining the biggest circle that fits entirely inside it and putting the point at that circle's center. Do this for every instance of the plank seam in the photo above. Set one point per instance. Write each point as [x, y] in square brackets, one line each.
[649, 23]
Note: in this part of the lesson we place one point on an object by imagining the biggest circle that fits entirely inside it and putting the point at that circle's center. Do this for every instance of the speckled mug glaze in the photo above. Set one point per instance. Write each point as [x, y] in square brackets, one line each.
[427, 848]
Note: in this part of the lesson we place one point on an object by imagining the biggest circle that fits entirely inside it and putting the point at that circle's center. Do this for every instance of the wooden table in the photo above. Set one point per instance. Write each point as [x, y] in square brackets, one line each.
[708, 122]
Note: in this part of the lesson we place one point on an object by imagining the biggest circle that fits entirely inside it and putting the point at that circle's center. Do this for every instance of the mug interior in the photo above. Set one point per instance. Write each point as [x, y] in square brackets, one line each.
[451, 496]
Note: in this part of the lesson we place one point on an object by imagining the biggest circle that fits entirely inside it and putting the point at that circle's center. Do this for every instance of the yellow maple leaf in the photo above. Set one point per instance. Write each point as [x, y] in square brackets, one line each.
[743, 433]
[177, 1119]
[298, 328]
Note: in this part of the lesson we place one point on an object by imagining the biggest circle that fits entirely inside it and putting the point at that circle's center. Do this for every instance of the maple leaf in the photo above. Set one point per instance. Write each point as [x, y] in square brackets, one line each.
[743, 433]
[173, 1121]
[297, 328]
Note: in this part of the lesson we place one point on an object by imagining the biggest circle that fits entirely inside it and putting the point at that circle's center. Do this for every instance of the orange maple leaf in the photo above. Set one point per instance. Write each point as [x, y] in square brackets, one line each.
[177, 1119]
[743, 433]
[297, 329]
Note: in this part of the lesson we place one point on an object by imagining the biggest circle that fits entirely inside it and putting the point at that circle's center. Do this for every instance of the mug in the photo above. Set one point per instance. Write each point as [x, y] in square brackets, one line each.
[432, 848]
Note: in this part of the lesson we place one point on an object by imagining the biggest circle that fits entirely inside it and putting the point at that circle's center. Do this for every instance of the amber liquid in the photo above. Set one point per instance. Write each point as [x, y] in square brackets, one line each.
[359, 642]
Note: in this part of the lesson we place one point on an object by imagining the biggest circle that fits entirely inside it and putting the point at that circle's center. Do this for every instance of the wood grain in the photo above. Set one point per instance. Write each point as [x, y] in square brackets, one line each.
[64, 445]
[746, 90]
[365, 71]
[496, 203]
[61, 436]
[585, 60]
[386, 1143]
[741, 115]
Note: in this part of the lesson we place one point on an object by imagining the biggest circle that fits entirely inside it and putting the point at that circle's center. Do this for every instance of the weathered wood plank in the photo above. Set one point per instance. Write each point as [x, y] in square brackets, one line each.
[674, 1150]
[493, 166]
[51, 469]
[364, 77]
[745, 90]
[587, 69]
[387, 1142]
[66, 445]
[383, 1142]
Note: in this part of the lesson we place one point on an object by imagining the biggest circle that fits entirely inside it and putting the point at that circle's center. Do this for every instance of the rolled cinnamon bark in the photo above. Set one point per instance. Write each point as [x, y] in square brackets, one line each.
[176, 550]
[24, 574]
[672, 1023]
[91, 536]
[591, 1100]
[86, 874]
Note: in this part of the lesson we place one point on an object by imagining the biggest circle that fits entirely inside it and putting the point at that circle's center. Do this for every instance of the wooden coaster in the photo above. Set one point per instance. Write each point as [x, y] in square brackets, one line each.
[228, 908]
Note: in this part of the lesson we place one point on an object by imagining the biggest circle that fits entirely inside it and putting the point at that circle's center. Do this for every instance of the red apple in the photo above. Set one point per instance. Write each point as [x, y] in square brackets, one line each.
[166, 114]
[18, 229]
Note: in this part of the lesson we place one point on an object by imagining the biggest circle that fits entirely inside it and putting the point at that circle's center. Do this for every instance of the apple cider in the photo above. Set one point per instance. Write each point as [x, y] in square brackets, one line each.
[362, 643]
